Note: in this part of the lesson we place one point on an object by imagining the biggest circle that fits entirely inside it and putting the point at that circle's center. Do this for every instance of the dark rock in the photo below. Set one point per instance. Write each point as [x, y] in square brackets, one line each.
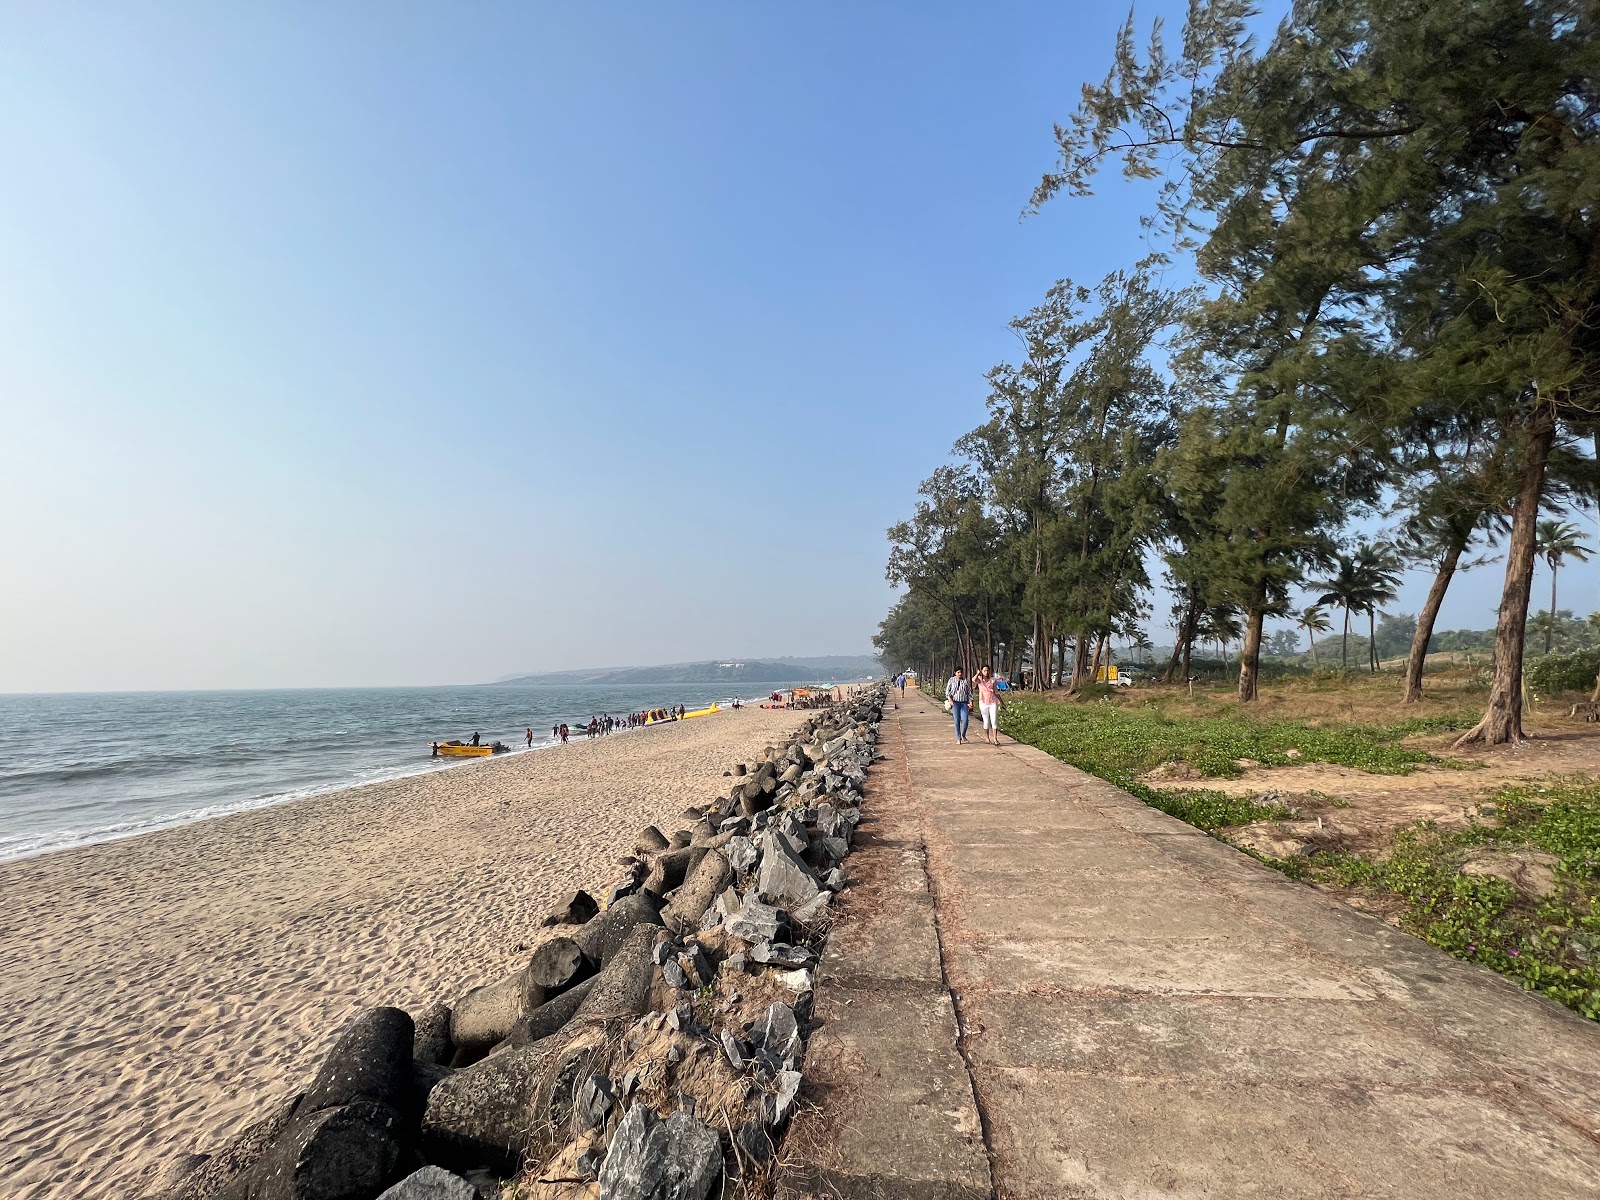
[784, 878]
[370, 1061]
[830, 851]
[602, 938]
[698, 893]
[778, 1034]
[337, 1153]
[581, 908]
[754, 921]
[622, 988]
[593, 1105]
[661, 952]
[740, 769]
[233, 1160]
[781, 954]
[652, 1159]
[667, 869]
[679, 840]
[482, 1115]
[550, 1016]
[431, 1041]
[836, 880]
[742, 853]
[736, 1052]
[788, 1090]
[735, 963]
[431, 1183]
[674, 976]
[650, 840]
[755, 1143]
[486, 1015]
[812, 912]
[424, 1078]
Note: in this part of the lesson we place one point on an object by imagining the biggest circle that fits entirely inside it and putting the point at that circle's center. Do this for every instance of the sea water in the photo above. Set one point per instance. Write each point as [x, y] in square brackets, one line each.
[87, 768]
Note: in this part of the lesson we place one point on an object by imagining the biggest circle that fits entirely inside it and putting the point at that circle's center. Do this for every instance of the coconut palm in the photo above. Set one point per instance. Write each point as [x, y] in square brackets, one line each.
[1379, 572]
[1219, 625]
[1554, 541]
[1313, 620]
[1345, 590]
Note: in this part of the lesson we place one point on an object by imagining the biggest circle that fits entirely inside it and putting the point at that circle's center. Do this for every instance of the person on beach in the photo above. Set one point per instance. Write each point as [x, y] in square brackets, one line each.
[530, 737]
[474, 737]
[959, 693]
[435, 750]
[988, 704]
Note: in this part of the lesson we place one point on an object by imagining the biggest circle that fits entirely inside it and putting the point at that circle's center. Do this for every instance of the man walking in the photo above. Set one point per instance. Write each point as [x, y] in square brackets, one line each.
[959, 693]
[900, 683]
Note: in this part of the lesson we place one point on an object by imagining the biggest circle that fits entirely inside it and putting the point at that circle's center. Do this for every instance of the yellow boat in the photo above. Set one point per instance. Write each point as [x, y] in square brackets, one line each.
[462, 750]
[700, 712]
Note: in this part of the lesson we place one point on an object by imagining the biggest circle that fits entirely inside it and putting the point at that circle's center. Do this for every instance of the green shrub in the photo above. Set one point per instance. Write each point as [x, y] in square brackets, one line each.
[1573, 672]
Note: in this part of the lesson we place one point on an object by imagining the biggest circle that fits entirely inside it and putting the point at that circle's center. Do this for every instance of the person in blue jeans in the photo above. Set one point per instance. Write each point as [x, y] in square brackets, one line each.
[959, 692]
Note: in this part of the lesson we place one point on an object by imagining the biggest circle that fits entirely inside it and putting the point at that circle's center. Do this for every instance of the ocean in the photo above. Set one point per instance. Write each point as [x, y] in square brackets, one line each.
[92, 767]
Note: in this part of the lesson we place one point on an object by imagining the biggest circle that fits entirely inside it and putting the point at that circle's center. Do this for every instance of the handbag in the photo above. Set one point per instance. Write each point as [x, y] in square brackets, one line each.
[949, 705]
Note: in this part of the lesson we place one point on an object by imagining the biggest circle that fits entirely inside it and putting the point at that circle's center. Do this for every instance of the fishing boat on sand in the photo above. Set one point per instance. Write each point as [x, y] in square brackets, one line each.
[460, 749]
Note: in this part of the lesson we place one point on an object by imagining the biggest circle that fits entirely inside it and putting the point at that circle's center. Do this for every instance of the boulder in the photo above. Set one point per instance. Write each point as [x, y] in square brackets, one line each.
[370, 1061]
[784, 878]
[650, 840]
[754, 922]
[652, 1159]
[487, 1015]
[601, 939]
[778, 1035]
[431, 1042]
[698, 893]
[667, 869]
[815, 910]
[1267, 839]
[622, 989]
[742, 853]
[431, 1183]
[550, 1016]
[580, 908]
[593, 1104]
[340, 1153]
[483, 1115]
[240, 1153]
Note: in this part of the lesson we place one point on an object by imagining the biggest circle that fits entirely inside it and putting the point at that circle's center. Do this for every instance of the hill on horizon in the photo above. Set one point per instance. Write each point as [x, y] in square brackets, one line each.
[839, 667]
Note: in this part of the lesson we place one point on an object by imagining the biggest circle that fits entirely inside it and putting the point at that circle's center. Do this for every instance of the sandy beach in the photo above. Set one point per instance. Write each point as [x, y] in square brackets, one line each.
[163, 991]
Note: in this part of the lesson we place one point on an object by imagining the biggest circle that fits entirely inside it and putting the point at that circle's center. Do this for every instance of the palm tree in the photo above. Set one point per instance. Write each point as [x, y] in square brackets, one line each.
[1379, 573]
[1313, 620]
[1554, 541]
[1219, 625]
[1344, 589]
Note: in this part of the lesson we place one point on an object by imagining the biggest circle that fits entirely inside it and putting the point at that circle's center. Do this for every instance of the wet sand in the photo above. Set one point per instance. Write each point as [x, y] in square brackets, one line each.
[162, 991]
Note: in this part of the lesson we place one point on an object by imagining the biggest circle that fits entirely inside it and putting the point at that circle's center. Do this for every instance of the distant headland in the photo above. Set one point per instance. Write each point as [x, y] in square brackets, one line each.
[843, 668]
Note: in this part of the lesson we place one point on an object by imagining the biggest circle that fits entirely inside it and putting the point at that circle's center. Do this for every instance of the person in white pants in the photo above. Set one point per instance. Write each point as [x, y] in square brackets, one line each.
[988, 704]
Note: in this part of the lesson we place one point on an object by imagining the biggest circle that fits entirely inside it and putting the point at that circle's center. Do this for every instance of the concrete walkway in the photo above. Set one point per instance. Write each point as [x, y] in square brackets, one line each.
[1044, 988]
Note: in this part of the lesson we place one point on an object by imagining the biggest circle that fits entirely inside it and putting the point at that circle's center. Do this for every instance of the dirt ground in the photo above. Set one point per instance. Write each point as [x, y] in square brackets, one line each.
[1340, 808]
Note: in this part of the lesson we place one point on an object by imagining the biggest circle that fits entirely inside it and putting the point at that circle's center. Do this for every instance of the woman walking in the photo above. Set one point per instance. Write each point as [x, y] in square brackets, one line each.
[959, 693]
[988, 704]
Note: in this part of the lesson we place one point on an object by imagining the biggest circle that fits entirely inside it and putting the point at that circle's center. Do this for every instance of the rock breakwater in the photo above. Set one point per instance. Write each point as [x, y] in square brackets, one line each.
[651, 1047]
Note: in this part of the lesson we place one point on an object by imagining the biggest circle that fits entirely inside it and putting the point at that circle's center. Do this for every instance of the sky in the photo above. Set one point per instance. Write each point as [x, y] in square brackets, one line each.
[405, 343]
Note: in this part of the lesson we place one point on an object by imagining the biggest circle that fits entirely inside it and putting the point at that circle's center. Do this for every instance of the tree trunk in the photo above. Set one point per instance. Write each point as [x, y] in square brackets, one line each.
[1550, 629]
[1185, 631]
[1372, 640]
[1418, 656]
[1344, 644]
[1250, 654]
[1041, 655]
[1502, 721]
[1311, 636]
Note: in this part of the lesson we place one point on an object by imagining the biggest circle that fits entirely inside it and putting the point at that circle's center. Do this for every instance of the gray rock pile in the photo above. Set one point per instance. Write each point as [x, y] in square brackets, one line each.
[651, 1048]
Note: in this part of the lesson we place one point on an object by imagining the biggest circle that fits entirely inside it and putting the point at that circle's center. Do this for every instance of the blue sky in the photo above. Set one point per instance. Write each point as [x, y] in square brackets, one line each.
[402, 343]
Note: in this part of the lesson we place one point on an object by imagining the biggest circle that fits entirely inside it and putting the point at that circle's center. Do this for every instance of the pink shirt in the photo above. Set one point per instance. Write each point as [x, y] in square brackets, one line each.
[987, 693]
